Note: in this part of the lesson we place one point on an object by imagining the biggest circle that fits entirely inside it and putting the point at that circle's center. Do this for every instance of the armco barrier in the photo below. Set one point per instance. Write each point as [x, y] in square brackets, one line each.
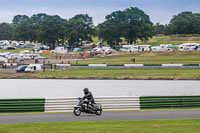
[21, 105]
[172, 65]
[190, 64]
[108, 103]
[97, 65]
[169, 102]
[153, 65]
[117, 66]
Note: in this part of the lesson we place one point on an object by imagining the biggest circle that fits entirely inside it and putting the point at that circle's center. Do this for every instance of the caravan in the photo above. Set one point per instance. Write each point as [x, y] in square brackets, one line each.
[129, 48]
[190, 46]
[60, 50]
[142, 48]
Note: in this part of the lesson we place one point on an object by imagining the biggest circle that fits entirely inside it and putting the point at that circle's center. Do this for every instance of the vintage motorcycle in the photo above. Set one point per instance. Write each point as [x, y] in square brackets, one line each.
[88, 109]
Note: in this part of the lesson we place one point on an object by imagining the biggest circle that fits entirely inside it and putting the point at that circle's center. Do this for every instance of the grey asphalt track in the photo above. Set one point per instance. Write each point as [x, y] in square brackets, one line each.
[107, 116]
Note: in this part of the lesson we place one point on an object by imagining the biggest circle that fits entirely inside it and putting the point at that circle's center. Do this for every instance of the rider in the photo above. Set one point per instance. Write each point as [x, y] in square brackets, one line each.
[88, 95]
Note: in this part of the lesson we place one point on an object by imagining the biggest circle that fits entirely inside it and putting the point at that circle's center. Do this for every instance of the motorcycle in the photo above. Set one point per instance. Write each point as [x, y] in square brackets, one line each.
[82, 107]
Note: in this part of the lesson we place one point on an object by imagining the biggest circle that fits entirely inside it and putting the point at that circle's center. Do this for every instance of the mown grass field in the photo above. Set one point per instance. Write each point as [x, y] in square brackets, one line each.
[118, 74]
[155, 126]
[162, 39]
[175, 40]
[179, 57]
[17, 50]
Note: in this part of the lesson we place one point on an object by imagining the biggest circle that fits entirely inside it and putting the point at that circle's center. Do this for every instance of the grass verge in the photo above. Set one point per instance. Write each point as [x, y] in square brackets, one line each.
[164, 74]
[154, 126]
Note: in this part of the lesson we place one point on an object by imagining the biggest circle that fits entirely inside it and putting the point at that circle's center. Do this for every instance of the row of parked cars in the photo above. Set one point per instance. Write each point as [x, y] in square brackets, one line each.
[29, 68]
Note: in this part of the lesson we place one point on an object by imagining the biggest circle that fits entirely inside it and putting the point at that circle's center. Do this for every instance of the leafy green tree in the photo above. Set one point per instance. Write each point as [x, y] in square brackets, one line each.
[51, 29]
[21, 25]
[19, 19]
[36, 24]
[132, 24]
[113, 28]
[79, 28]
[6, 31]
[159, 29]
[186, 23]
[138, 25]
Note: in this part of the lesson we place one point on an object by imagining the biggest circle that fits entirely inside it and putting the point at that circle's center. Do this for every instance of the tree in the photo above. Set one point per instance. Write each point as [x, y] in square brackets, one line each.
[6, 31]
[19, 19]
[36, 24]
[138, 25]
[79, 28]
[159, 29]
[112, 29]
[186, 23]
[132, 24]
[51, 30]
[21, 27]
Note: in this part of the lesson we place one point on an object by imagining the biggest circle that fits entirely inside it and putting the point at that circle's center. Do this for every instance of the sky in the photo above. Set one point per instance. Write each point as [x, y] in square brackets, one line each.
[159, 10]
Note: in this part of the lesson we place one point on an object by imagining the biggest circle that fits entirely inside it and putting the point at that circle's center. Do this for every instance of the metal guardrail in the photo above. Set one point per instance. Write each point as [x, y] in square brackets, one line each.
[21, 105]
[128, 66]
[169, 102]
[108, 103]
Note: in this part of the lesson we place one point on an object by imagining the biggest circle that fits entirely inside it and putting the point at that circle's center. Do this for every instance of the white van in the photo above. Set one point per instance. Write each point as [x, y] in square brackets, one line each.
[34, 68]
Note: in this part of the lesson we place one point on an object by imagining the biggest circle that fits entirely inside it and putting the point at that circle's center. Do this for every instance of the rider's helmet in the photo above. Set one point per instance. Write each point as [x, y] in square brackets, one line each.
[86, 90]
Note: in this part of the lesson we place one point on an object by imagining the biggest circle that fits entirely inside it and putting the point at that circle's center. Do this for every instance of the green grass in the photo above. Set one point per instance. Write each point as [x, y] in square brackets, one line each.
[162, 39]
[154, 126]
[173, 39]
[189, 57]
[120, 74]
[17, 50]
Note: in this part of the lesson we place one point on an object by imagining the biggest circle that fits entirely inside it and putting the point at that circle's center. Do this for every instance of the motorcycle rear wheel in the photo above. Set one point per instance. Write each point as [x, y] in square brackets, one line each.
[77, 112]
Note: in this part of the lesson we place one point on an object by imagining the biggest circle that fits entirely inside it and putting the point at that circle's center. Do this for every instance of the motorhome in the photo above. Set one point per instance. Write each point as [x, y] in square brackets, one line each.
[129, 48]
[156, 49]
[190, 46]
[142, 48]
[61, 50]
[166, 47]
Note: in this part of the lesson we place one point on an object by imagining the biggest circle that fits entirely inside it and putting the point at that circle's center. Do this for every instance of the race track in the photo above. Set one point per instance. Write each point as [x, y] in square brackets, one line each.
[107, 116]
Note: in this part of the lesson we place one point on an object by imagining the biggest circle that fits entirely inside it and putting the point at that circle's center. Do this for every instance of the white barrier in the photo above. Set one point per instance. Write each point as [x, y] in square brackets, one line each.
[172, 65]
[108, 103]
[133, 65]
[63, 65]
[97, 65]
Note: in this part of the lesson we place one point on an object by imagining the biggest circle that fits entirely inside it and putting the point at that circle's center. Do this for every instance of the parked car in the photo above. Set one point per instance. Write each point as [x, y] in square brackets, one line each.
[10, 48]
[21, 69]
[34, 68]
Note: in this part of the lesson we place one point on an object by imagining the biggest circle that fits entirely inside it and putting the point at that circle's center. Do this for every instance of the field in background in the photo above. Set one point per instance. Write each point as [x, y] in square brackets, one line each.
[154, 126]
[175, 40]
[162, 39]
[186, 57]
[17, 50]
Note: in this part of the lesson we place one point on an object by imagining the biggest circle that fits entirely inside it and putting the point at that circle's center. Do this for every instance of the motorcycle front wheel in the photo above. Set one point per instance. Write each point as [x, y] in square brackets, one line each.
[98, 112]
[77, 112]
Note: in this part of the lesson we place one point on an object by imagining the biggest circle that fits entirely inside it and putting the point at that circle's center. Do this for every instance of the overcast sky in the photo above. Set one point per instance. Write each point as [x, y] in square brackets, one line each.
[158, 10]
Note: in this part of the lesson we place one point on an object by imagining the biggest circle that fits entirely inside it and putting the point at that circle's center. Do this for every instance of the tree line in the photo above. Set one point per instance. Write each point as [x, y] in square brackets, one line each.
[183, 23]
[130, 24]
